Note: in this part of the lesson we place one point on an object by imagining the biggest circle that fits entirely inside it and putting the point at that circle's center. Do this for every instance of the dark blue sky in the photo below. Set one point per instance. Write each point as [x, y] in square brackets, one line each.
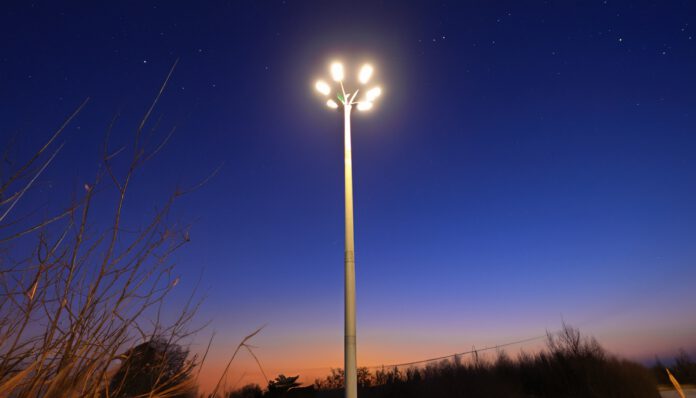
[528, 162]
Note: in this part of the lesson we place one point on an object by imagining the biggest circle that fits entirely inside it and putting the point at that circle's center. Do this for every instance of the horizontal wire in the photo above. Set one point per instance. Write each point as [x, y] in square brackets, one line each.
[472, 351]
[397, 365]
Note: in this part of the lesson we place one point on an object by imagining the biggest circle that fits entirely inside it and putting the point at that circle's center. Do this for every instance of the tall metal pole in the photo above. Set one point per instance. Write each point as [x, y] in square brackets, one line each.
[350, 367]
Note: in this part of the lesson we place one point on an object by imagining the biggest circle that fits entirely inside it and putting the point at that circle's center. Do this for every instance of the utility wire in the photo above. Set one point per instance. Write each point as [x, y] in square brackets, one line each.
[397, 365]
[472, 351]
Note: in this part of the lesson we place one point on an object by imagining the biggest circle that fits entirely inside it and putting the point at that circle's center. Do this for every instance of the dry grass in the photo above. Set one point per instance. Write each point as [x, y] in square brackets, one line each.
[76, 295]
[675, 383]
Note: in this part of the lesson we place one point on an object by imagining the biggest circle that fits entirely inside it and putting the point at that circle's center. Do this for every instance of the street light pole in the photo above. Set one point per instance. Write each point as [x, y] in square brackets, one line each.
[350, 365]
[348, 100]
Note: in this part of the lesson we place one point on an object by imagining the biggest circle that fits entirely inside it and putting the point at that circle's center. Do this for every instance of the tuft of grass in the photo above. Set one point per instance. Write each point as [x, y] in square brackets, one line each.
[675, 383]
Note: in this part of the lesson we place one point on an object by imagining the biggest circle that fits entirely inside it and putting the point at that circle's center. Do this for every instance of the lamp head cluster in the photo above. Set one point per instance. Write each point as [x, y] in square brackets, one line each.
[338, 75]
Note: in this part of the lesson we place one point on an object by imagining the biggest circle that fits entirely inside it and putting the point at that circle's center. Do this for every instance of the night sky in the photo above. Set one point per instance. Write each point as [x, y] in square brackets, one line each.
[527, 163]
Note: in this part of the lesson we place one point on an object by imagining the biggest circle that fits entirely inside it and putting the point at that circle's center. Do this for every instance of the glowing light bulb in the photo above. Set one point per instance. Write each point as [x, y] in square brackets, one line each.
[322, 87]
[337, 72]
[331, 104]
[365, 73]
[364, 106]
[373, 93]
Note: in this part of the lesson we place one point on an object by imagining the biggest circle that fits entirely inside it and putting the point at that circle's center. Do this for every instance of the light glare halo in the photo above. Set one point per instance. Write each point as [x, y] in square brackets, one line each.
[322, 87]
[337, 72]
[365, 73]
[364, 106]
[332, 104]
[373, 93]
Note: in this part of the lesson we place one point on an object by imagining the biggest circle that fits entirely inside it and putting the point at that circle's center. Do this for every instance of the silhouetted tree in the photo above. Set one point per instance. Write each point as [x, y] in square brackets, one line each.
[281, 385]
[684, 368]
[332, 381]
[364, 377]
[248, 391]
[155, 365]
[658, 371]
[336, 379]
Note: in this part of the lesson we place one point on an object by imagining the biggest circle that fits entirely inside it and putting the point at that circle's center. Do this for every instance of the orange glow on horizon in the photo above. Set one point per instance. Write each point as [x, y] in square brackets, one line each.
[314, 363]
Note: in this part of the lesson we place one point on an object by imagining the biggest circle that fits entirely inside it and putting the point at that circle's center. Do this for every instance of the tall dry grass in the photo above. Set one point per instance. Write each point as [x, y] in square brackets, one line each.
[79, 295]
[675, 383]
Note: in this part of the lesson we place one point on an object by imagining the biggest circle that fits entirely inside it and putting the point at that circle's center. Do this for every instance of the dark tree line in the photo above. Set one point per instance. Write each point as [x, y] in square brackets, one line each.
[571, 366]
[683, 369]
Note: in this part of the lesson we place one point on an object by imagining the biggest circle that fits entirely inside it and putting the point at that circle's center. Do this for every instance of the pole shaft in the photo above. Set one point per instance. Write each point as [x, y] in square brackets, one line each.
[351, 382]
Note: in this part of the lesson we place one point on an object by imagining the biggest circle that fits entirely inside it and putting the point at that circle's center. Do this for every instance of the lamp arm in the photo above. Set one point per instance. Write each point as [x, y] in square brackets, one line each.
[342, 89]
[352, 98]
